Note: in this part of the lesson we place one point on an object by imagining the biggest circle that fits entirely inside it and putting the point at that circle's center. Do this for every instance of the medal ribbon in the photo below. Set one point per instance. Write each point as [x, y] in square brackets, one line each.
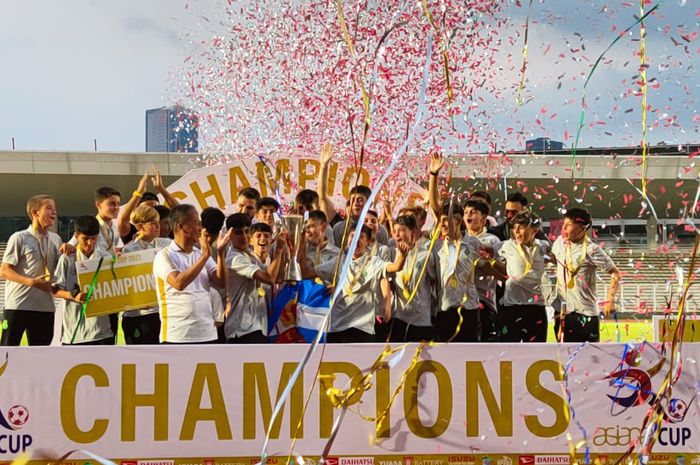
[527, 258]
[81, 320]
[569, 262]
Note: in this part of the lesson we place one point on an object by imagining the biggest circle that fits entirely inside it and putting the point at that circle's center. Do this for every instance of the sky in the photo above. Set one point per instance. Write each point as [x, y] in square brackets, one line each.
[79, 70]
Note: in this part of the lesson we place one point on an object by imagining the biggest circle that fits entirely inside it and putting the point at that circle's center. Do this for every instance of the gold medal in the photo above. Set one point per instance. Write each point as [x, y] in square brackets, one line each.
[406, 293]
[571, 283]
[453, 282]
[318, 281]
[348, 291]
[261, 291]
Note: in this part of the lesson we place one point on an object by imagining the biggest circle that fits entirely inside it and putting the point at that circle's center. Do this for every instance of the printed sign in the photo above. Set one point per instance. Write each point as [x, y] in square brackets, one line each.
[130, 287]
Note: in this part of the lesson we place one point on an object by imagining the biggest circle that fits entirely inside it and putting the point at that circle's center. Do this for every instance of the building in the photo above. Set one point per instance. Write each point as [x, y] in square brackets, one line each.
[171, 129]
[543, 144]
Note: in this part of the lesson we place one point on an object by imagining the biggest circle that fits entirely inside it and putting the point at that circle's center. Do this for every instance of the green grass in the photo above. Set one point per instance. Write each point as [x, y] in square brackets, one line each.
[629, 330]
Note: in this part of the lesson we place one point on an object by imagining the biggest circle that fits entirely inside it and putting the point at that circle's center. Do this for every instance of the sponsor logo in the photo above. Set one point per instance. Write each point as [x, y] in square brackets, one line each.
[602, 459]
[486, 460]
[209, 461]
[552, 460]
[331, 461]
[624, 436]
[155, 462]
[390, 462]
[356, 461]
[428, 461]
[128, 462]
[12, 441]
[695, 461]
[526, 460]
[504, 461]
[461, 459]
[408, 460]
[680, 460]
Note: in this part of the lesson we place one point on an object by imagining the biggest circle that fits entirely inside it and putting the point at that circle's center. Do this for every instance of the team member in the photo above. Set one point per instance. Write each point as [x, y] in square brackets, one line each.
[143, 326]
[247, 201]
[515, 203]
[249, 283]
[184, 275]
[486, 276]
[306, 200]
[267, 207]
[77, 329]
[28, 266]
[523, 315]
[164, 215]
[458, 257]
[318, 247]
[353, 312]
[578, 259]
[416, 292]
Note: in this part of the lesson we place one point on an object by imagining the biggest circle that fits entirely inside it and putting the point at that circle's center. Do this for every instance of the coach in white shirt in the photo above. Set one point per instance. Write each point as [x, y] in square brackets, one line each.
[184, 275]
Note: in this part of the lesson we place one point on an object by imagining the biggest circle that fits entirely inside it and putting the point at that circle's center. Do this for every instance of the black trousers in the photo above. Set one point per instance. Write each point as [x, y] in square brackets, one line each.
[108, 341]
[142, 329]
[114, 324]
[490, 323]
[580, 328]
[38, 325]
[349, 335]
[381, 330]
[523, 323]
[400, 331]
[447, 321]
[256, 337]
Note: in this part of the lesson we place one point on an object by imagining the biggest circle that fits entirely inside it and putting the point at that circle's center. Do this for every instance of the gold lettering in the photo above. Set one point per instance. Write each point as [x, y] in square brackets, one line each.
[206, 374]
[67, 405]
[264, 180]
[178, 195]
[444, 398]
[383, 381]
[325, 405]
[304, 177]
[158, 400]
[477, 380]
[282, 173]
[555, 402]
[349, 179]
[332, 176]
[237, 180]
[214, 191]
[255, 379]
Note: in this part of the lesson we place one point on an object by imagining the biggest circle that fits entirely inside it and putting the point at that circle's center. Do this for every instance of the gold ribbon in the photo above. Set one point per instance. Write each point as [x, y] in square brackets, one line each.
[569, 262]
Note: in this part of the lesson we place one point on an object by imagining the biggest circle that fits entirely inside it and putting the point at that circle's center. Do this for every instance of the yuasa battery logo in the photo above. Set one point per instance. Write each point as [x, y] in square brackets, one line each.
[12, 441]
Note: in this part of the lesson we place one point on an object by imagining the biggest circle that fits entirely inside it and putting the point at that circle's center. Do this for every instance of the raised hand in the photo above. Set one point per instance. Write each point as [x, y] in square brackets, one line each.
[436, 161]
[326, 153]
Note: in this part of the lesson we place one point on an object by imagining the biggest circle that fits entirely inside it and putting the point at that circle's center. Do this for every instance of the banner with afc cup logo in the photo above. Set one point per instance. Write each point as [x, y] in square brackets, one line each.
[456, 404]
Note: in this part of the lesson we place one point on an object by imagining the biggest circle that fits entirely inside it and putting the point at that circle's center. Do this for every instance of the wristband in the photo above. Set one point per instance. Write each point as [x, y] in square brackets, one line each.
[435, 174]
[137, 194]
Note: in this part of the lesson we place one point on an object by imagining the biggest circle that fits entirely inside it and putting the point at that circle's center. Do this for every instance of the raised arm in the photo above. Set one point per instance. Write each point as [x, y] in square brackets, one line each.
[224, 240]
[435, 165]
[181, 279]
[125, 213]
[325, 204]
[170, 201]
[400, 259]
[609, 305]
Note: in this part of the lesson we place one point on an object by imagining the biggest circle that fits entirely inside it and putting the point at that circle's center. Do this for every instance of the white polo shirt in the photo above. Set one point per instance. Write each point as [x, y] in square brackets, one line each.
[524, 283]
[187, 315]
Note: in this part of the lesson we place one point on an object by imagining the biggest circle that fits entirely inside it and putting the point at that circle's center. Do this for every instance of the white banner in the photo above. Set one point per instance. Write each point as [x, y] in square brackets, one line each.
[176, 402]
[218, 186]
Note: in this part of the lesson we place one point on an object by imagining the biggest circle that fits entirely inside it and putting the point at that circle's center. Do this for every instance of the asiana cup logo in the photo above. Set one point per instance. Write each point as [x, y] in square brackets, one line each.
[633, 386]
[11, 440]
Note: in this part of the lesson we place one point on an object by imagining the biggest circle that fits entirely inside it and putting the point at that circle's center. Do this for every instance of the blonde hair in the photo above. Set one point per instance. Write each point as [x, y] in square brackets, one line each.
[144, 214]
[35, 203]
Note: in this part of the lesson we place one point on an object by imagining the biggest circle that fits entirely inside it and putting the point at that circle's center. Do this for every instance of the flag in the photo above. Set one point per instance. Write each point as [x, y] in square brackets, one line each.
[298, 310]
